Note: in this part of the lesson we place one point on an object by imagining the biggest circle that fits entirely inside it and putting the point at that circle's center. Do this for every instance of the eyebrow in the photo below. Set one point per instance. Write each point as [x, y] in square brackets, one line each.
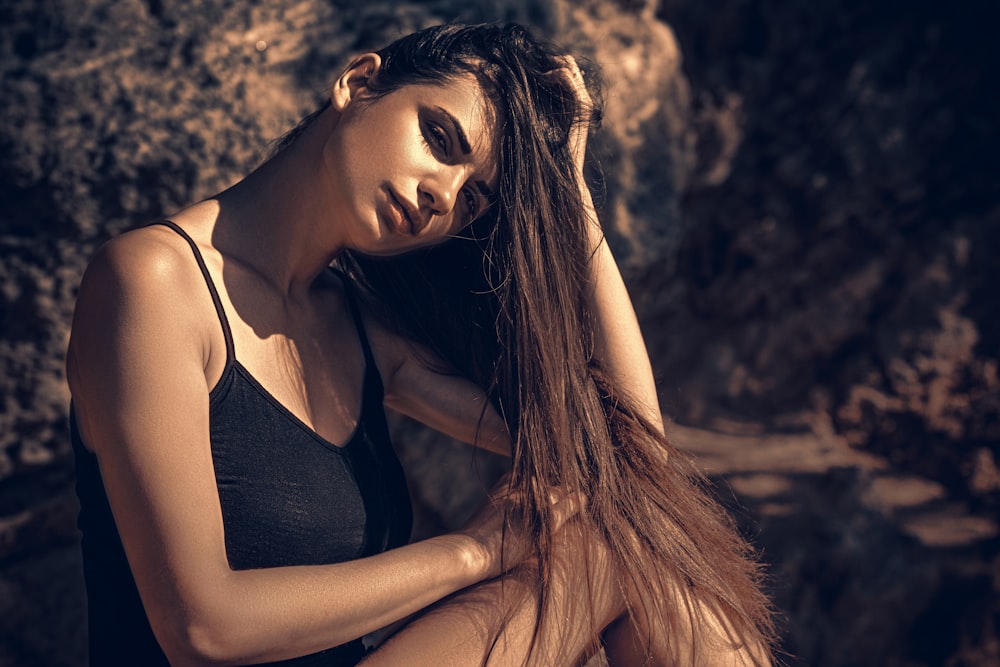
[463, 142]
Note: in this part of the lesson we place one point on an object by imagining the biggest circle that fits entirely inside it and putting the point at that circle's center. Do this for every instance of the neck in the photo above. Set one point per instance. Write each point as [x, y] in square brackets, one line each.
[279, 220]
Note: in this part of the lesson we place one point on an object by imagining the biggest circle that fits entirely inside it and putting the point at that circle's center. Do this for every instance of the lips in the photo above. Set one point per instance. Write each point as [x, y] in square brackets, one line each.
[408, 221]
[398, 215]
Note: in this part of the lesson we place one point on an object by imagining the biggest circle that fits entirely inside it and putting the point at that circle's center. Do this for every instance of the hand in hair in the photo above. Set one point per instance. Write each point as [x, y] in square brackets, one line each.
[500, 534]
[572, 77]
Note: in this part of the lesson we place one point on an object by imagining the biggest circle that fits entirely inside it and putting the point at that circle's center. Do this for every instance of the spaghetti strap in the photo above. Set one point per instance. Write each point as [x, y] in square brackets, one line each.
[352, 303]
[226, 332]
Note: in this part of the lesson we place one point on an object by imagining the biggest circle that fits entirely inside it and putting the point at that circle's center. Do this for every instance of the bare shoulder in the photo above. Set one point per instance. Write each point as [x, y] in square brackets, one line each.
[144, 284]
[144, 258]
[147, 273]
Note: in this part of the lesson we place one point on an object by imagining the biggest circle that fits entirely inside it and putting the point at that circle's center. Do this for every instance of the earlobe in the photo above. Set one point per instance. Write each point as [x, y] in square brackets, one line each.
[354, 80]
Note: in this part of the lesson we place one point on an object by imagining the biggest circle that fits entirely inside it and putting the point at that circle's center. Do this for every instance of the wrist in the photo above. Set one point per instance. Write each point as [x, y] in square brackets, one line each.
[469, 557]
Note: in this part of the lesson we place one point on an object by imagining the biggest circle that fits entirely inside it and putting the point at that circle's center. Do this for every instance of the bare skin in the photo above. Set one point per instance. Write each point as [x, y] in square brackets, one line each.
[459, 630]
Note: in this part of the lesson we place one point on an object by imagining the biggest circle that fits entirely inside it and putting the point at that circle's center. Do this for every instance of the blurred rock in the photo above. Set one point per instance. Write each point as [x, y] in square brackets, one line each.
[844, 260]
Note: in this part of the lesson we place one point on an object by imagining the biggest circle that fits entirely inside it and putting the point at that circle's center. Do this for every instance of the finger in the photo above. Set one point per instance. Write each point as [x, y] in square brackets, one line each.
[568, 507]
[566, 499]
[573, 79]
[569, 70]
[568, 62]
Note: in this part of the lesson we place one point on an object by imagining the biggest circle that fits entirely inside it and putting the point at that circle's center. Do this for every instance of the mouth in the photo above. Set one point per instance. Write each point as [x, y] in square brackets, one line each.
[406, 222]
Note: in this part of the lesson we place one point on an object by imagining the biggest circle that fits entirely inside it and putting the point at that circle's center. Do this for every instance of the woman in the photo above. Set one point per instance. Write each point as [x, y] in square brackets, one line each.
[240, 502]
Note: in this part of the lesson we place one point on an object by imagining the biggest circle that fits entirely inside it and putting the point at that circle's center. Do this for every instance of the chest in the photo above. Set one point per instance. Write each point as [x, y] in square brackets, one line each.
[309, 358]
[288, 496]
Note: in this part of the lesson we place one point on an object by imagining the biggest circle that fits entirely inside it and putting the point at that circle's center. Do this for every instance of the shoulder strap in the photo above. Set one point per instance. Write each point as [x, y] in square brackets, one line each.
[226, 332]
[352, 303]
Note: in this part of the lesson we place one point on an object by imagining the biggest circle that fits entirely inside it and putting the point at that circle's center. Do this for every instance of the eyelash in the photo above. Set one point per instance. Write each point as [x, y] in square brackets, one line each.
[437, 135]
[471, 203]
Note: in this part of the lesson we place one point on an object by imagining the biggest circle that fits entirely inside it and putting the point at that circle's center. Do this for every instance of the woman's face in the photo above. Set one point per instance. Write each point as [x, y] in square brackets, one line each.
[413, 167]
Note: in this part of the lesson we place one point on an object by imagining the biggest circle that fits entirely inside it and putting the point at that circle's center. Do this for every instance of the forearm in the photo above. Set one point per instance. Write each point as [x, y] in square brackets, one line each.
[279, 613]
[619, 344]
[619, 347]
[447, 403]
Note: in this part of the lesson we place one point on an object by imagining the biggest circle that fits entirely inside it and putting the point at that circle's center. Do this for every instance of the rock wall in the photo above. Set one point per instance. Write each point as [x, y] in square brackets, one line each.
[803, 196]
[844, 261]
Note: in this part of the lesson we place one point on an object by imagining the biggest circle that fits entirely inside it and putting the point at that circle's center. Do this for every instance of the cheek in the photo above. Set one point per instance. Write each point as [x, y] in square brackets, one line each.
[376, 154]
[353, 164]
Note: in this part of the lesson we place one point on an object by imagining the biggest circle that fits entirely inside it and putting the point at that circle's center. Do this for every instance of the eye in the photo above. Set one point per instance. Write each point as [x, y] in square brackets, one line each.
[471, 204]
[436, 137]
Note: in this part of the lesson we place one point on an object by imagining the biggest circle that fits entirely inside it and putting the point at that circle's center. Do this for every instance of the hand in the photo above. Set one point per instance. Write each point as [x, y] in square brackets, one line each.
[572, 78]
[500, 534]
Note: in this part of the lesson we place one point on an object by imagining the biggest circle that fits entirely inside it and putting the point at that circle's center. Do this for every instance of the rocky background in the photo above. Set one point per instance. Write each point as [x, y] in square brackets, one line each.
[804, 196]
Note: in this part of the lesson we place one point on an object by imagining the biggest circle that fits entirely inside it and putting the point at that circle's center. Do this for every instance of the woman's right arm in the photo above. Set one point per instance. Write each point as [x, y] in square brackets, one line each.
[136, 365]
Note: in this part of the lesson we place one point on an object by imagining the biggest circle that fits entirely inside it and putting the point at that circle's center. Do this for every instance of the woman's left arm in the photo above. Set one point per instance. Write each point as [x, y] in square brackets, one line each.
[445, 402]
[619, 344]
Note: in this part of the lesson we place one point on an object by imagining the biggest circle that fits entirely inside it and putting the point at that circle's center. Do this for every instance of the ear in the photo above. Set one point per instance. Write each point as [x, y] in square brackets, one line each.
[354, 80]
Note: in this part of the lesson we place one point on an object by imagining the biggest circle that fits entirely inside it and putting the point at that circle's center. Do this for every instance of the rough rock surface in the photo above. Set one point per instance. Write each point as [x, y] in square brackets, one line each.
[804, 197]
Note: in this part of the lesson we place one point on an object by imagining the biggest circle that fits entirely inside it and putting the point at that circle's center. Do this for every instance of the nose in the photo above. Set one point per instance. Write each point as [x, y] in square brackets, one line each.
[439, 190]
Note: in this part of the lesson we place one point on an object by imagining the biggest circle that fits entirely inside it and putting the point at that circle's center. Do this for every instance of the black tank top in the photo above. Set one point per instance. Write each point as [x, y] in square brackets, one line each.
[288, 496]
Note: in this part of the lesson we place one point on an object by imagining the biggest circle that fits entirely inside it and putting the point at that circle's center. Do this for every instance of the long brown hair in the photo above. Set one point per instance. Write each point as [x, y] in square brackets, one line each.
[506, 306]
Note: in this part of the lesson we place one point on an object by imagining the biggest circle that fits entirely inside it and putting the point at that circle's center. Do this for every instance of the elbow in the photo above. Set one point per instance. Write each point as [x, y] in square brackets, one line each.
[201, 642]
